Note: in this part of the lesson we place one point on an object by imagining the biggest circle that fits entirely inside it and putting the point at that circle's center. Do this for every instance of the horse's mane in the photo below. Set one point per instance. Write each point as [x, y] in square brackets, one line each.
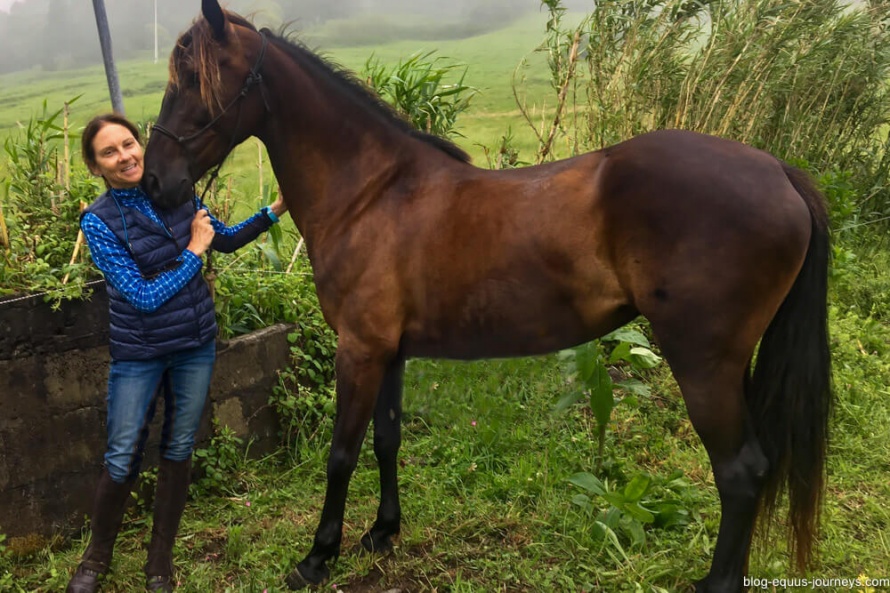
[197, 46]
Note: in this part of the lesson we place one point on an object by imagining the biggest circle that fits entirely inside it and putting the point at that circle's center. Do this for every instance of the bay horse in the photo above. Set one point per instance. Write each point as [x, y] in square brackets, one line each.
[417, 253]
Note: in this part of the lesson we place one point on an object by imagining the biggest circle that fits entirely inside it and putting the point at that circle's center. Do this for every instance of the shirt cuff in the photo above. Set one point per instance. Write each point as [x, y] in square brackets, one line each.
[191, 260]
[270, 214]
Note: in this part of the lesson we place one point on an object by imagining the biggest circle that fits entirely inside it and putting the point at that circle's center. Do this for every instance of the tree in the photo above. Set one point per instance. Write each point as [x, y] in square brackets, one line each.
[58, 40]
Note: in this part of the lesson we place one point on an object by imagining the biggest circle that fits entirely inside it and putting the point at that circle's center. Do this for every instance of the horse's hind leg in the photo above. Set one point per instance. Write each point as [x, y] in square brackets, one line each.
[387, 440]
[716, 405]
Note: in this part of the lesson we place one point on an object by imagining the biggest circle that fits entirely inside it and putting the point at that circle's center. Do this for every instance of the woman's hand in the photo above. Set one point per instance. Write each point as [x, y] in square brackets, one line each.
[202, 233]
[278, 206]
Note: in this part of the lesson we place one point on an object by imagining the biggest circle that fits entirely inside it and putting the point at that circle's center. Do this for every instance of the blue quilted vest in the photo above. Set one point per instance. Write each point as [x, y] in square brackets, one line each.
[188, 319]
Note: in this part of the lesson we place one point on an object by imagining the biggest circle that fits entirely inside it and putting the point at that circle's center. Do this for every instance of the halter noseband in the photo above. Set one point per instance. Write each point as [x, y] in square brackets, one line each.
[254, 78]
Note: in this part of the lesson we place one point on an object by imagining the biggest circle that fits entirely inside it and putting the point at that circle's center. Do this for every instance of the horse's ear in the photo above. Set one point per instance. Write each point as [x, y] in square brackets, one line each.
[214, 15]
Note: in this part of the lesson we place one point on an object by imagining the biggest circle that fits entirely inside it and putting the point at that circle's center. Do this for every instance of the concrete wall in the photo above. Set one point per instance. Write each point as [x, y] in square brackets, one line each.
[53, 373]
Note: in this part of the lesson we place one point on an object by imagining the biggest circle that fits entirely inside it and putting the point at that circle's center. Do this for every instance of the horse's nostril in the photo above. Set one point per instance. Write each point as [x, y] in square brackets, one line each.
[151, 185]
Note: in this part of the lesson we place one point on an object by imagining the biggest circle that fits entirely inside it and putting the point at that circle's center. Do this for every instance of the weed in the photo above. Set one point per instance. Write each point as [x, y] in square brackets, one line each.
[586, 365]
[802, 80]
[416, 87]
[43, 198]
[630, 509]
[219, 462]
[506, 155]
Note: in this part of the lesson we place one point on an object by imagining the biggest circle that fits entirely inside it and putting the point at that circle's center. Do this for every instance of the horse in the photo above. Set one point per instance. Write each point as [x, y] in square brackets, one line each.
[722, 247]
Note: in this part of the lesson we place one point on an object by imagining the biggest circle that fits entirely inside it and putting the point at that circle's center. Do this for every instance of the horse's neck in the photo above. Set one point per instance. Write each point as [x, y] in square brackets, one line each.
[325, 173]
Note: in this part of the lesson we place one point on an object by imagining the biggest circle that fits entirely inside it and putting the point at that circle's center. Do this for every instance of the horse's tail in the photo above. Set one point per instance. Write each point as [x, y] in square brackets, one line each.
[790, 394]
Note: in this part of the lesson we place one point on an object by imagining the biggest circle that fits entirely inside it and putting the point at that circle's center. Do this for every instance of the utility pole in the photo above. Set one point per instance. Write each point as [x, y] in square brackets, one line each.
[117, 100]
[156, 31]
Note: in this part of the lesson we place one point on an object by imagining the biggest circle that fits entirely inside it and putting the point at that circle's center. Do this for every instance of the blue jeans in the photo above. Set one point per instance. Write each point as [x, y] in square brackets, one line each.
[133, 389]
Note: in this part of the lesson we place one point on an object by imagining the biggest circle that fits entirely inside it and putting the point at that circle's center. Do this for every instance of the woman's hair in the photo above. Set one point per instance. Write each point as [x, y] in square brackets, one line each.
[97, 123]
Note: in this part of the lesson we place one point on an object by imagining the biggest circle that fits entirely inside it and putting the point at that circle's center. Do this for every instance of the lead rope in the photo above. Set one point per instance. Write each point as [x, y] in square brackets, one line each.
[209, 271]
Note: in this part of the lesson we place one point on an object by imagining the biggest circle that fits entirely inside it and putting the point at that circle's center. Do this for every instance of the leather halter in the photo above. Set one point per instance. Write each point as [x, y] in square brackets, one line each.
[254, 78]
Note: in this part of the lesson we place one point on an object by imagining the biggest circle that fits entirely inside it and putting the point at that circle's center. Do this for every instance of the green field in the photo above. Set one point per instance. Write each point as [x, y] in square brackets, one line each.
[486, 461]
[491, 58]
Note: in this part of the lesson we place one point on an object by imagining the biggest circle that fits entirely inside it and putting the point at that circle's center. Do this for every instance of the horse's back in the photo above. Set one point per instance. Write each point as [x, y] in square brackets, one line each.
[668, 224]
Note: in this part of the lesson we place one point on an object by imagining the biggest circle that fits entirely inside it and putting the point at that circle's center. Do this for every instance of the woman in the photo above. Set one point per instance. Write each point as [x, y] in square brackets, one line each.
[163, 332]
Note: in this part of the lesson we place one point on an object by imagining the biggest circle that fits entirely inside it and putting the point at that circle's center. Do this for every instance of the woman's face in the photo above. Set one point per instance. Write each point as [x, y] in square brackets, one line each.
[118, 157]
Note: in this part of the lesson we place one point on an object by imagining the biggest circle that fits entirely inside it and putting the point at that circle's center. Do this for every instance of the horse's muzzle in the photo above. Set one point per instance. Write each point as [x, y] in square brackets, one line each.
[167, 193]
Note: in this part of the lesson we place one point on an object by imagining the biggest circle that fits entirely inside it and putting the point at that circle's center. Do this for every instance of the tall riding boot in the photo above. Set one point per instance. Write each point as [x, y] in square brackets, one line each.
[108, 513]
[173, 486]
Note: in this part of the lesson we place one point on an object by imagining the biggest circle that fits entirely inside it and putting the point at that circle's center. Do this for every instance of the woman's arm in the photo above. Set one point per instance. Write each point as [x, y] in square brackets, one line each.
[120, 269]
[228, 239]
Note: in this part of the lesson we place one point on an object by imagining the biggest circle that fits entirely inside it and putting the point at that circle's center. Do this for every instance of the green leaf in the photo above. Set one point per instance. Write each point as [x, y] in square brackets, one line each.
[587, 360]
[671, 516]
[567, 401]
[588, 482]
[276, 234]
[644, 358]
[636, 533]
[599, 531]
[637, 487]
[616, 499]
[635, 387]
[640, 513]
[629, 335]
[272, 255]
[602, 402]
[581, 500]
[613, 538]
[611, 518]
[621, 352]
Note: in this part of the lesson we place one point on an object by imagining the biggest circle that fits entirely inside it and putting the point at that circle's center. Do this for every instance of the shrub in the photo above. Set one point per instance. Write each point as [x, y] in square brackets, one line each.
[41, 202]
[416, 87]
[803, 80]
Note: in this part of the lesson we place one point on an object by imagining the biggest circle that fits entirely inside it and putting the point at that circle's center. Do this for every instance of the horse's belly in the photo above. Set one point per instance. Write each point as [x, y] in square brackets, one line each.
[510, 329]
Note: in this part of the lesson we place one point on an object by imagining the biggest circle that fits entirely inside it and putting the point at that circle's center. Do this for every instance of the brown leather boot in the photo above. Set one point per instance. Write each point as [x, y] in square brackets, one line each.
[109, 505]
[173, 487]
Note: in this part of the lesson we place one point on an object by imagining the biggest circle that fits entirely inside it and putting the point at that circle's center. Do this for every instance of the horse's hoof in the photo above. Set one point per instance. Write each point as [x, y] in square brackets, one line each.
[302, 577]
[379, 544]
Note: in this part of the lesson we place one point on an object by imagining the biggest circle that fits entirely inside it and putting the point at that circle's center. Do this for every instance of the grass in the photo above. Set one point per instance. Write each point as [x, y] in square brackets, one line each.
[485, 463]
[486, 499]
[22, 94]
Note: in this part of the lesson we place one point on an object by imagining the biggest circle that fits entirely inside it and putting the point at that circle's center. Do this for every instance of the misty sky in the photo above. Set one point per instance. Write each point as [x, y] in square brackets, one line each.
[5, 4]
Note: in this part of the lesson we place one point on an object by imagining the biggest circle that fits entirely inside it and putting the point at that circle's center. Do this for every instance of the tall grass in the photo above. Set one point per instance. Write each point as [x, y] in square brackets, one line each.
[805, 79]
[40, 203]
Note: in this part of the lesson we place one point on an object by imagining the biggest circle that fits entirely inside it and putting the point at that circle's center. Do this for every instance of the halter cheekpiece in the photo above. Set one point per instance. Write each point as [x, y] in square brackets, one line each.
[254, 78]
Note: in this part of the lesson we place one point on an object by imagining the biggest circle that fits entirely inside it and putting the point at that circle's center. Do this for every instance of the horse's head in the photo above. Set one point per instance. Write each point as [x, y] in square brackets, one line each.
[214, 101]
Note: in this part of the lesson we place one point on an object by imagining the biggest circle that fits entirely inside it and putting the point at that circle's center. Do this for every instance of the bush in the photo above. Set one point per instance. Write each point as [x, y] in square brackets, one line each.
[803, 80]
[40, 212]
[416, 87]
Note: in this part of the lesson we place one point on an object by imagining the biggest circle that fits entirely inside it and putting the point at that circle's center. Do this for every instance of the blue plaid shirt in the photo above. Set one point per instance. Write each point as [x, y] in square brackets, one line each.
[121, 271]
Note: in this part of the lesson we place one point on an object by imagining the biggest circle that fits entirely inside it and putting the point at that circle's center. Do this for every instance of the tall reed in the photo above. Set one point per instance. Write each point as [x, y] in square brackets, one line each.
[804, 79]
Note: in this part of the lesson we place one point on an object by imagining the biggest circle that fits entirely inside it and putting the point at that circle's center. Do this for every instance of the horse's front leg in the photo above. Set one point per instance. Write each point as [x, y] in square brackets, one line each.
[359, 374]
[387, 440]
